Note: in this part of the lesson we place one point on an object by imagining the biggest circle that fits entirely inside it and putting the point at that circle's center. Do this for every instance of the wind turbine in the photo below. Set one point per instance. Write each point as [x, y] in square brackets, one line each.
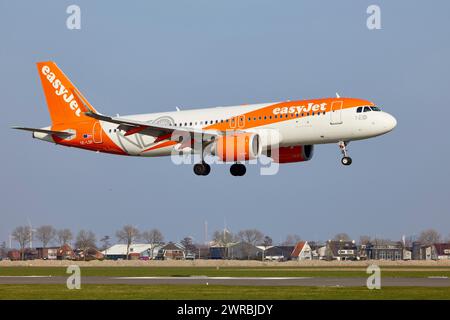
[31, 233]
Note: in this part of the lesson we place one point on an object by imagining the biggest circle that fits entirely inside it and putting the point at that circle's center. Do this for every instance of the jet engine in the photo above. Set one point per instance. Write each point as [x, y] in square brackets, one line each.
[291, 154]
[237, 147]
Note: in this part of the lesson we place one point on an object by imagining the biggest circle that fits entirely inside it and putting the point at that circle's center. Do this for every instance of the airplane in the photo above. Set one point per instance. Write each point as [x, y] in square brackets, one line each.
[233, 134]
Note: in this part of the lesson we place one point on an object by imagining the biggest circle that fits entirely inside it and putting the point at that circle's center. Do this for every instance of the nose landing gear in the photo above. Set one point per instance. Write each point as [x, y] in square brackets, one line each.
[346, 160]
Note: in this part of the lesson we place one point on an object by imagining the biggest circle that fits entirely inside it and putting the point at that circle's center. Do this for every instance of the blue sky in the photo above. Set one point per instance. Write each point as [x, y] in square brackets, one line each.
[150, 56]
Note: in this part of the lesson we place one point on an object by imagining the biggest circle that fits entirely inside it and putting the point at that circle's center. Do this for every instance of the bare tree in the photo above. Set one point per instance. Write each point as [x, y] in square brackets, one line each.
[223, 237]
[85, 240]
[153, 236]
[128, 234]
[22, 235]
[291, 239]
[105, 243]
[45, 234]
[252, 236]
[341, 237]
[429, 236]
[64, 236]
[364, 240]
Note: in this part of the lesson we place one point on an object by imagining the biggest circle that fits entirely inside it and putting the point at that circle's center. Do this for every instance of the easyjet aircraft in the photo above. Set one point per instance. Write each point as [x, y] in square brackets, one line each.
[234, 134]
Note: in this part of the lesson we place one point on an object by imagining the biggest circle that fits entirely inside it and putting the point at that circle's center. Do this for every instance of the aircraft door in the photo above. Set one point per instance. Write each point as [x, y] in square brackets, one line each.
[336, 112]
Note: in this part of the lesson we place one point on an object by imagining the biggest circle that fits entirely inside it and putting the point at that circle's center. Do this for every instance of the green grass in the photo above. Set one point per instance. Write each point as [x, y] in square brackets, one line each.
[221, 272]
[202, 292]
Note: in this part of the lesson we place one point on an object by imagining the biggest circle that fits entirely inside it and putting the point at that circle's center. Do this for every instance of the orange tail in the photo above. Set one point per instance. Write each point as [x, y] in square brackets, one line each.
[65, 103]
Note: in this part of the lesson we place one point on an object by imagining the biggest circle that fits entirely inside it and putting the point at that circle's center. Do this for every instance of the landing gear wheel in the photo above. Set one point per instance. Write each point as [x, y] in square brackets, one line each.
[346, 161]
[202, 169]
[238, 169]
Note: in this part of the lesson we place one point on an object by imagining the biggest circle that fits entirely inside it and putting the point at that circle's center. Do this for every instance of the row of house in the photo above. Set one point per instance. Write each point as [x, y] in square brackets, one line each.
[303, 250]
[332, 250]
[64, 252]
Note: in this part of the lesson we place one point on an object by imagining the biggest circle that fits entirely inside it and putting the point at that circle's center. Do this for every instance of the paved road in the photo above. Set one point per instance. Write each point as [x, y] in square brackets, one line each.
[236, 281]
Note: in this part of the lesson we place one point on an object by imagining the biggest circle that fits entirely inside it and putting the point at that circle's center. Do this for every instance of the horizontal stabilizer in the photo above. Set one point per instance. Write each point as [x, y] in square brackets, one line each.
[61, 134]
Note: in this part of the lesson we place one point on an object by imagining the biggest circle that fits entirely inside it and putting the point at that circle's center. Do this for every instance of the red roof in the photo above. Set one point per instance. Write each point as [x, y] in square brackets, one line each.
[298, 248]
[442, 249]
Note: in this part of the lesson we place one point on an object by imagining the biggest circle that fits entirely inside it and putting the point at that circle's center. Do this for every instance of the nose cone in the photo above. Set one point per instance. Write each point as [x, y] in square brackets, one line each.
[389, 122]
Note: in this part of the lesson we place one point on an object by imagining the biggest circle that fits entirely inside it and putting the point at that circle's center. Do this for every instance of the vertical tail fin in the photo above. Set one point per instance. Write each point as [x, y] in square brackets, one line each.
[65, 103]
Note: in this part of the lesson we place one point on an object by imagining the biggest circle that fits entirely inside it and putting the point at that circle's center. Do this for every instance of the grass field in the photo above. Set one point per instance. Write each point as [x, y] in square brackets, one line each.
[91, 291]
[163, 292]
[225, 272]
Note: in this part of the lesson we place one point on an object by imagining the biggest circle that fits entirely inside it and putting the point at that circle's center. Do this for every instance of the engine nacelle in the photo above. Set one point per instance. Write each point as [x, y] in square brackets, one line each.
[237, 147]
[291, 154]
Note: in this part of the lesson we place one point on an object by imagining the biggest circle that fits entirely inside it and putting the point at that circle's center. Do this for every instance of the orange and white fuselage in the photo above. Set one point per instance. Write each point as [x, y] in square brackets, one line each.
[76, 123]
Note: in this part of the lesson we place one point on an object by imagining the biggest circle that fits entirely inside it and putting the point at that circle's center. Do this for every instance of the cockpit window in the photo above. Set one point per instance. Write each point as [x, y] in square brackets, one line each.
[359, 109]
[375, 108]
[367, 109]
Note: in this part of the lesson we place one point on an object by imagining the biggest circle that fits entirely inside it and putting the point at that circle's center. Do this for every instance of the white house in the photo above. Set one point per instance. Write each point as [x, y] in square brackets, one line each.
[137, 251]
[302, 251]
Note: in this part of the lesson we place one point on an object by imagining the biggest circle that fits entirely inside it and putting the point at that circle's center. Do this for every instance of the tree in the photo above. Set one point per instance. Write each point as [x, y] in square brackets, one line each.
[188, 245]
[252, 236]
[23, 236]
[45, 234]
[429, 237]
[128, 234]
[153, 236]
[341, 237]
[64, 236]
[267, 241]
[105, 243]
[364, 240]
[291, 240]
[223, 237]
[85, 240]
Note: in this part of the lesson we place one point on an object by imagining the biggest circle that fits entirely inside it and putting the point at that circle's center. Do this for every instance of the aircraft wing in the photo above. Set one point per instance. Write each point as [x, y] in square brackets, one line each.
[161, 132]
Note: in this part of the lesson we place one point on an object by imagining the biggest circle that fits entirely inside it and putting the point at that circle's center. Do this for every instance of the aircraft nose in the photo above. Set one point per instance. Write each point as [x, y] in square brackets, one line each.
[390, 122]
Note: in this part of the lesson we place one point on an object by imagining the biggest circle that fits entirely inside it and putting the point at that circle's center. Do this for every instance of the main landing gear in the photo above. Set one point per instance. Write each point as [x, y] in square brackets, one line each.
[202, 169]
[237, 169]
[346, 160]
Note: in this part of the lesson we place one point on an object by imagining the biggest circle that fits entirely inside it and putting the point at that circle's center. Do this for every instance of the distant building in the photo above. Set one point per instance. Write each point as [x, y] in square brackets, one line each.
[244, 251]
[436, 251]
[65, 252]
[136, 251]
[302, 251]
[50, 253]
[88, 255]
[340, 250]
[14, 255]
[442, 251]
[217, 252]
[384, 251]
[278, 253]
[172, 251]
[237, 251]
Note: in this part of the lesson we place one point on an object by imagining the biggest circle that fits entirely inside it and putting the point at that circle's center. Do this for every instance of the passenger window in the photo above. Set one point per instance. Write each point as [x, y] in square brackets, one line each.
[367, 109]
